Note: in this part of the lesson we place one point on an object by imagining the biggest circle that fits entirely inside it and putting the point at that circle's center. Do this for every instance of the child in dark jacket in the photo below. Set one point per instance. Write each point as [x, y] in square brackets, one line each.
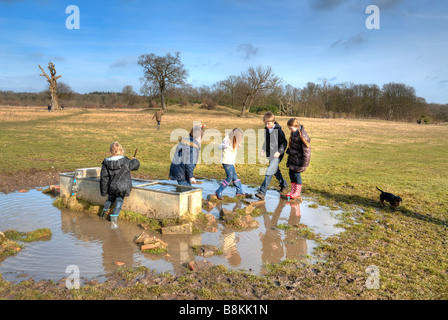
[186, 157]
[274, 148]
[299, 154]
[115, 179]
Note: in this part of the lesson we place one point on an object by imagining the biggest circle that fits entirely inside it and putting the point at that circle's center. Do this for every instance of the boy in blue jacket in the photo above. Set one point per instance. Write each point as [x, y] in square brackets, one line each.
[186, 157]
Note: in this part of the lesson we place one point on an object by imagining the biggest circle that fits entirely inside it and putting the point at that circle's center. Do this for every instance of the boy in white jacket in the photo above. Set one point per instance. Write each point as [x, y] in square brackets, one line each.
[229, 149]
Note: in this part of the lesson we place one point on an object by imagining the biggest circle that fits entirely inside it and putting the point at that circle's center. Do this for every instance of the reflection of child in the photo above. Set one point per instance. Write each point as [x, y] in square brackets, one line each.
[229, 242]
[229, 148]
[299, 154]
[115, 179]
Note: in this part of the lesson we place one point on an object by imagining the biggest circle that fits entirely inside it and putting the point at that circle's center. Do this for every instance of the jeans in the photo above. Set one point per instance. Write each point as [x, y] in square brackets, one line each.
[184, 182]
[118, 204]
[231, 176]
[272, 170]
[295, 177]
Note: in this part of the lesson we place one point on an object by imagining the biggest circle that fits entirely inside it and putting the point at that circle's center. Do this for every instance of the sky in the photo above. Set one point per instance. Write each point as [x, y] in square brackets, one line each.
[302, 41]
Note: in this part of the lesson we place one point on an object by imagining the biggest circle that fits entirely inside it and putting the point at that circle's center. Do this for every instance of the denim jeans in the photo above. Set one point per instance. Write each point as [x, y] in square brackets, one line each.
[118, 204]
[231, 176]
[272, 170]
[184, 182]
[295, 177]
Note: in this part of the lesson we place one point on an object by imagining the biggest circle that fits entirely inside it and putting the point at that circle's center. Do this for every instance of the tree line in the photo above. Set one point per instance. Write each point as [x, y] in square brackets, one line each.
[255, 90]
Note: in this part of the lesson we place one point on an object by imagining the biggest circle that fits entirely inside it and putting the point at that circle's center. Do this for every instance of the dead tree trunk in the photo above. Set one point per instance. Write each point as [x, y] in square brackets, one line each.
[53, 85]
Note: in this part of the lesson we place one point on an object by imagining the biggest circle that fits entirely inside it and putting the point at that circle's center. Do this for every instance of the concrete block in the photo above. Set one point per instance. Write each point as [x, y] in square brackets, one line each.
[153, 199]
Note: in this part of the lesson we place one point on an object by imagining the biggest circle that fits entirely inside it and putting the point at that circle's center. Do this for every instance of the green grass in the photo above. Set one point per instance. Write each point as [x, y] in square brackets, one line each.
[349, 159]
[36, 235]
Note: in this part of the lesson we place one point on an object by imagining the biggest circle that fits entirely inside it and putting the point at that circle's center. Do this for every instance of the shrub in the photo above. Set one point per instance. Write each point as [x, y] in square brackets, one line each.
[264, 109]
[208, 104]
[424, 119]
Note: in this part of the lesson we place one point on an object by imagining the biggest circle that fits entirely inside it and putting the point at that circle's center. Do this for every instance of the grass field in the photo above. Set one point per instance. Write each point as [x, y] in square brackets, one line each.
[349, 159]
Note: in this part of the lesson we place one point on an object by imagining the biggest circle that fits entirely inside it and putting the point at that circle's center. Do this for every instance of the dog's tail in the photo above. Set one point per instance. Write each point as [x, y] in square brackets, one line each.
[379, 189]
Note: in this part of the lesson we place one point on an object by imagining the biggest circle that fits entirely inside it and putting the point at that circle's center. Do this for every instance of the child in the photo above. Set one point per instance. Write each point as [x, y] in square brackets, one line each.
[299, 154]
[274, 148]
[186, 157]
[158, 115]
[115, 179]
[229, 147]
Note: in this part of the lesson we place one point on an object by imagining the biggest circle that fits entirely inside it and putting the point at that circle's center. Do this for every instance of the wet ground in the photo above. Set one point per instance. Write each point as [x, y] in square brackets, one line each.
[88, 242]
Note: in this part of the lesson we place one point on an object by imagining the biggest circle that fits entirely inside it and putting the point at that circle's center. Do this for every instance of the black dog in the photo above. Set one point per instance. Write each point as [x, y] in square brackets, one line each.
[389, 197]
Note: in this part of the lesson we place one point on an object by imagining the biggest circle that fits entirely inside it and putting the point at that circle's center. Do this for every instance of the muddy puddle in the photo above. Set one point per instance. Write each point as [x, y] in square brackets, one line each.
[88, 242]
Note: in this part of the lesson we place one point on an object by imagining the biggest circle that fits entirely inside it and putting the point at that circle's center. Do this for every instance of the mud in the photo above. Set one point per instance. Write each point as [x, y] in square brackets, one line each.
[27, 179]
[284, 283]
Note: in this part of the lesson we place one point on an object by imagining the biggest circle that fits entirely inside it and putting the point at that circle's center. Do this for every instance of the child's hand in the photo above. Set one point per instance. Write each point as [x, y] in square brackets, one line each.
[277, 154]
[262, 153]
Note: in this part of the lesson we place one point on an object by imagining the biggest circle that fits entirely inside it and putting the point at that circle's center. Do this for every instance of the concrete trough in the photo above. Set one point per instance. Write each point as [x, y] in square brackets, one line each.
[157, 200]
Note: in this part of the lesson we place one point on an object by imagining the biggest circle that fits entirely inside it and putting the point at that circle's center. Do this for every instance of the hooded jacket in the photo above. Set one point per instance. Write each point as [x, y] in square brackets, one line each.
[299, 154]
[275, 141]
[115, 176]
[184, 159]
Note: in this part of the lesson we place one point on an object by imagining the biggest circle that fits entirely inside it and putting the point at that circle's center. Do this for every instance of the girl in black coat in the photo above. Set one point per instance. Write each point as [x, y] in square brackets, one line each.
[299, 154]
[115, 179]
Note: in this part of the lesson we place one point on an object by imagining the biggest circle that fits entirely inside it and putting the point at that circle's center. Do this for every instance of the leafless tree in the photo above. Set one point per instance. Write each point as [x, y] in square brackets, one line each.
[53, 84]
[258, 80]
[129, 95]
[163, 71]
[230, 83]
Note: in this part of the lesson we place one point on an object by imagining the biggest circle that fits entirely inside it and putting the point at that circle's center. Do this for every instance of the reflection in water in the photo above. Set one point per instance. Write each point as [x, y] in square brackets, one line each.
[277, 244]
[88, 241]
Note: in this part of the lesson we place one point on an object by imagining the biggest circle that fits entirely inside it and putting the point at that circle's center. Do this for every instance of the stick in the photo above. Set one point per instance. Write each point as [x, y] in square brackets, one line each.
[135, 153]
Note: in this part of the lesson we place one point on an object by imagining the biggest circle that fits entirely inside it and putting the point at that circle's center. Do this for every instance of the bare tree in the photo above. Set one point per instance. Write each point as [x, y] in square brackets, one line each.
[163, 71]
[64, 91]
[53, 84]
[149, 90]
[258, 80]
[230, 84]
[129, 95]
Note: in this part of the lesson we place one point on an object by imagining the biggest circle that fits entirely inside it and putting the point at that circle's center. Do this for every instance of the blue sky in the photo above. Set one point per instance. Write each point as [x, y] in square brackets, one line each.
[303, 41]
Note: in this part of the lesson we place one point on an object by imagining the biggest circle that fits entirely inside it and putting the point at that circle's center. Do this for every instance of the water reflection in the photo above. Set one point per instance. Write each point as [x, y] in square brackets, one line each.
[88, 241]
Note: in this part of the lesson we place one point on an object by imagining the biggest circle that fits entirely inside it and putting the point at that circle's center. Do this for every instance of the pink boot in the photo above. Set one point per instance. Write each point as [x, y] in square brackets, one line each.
[296, 192]
[293, 189]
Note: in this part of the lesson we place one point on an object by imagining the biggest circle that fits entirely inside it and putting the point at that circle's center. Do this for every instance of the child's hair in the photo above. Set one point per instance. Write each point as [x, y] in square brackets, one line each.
[294, 122]
[116, 149]
[236, 136]
[268, 117]
[194, 132]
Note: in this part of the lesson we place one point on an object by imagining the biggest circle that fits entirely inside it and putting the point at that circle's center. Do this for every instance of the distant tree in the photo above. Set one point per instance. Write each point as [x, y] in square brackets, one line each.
[163, 71]
[53, 84]
[230, 83]
[397, 99]
[149, 90]
[129, 95]
[257, 80]
[64, 91]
